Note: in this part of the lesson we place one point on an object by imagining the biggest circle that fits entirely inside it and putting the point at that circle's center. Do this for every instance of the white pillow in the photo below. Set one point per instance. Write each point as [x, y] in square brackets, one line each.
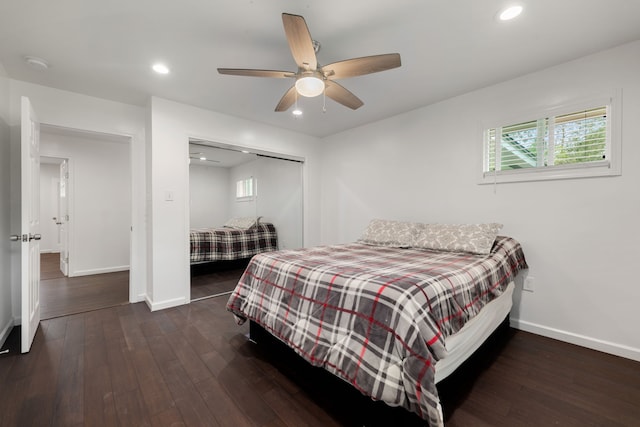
[472, 238]
[397, 234]
[242, 223]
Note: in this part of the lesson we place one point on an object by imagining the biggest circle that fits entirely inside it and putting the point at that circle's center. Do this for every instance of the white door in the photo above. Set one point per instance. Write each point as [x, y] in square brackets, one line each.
[30, 154]
[63, 217]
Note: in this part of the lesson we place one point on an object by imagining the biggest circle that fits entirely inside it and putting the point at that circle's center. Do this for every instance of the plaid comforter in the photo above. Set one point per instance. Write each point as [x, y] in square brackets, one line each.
[374, 316]
[226, 244]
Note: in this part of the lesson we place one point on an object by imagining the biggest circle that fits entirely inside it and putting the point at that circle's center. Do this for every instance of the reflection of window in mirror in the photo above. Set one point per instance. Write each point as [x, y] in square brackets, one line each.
[245, 189]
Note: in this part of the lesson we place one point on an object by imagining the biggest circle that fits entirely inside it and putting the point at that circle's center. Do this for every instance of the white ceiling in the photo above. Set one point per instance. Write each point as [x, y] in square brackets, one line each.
[448, 47]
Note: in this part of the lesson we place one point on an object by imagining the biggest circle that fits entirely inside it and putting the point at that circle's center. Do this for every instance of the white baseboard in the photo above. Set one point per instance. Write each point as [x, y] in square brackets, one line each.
[153, 306]
[577, 339]
[139, 298]
[6, 330]
[99, 271]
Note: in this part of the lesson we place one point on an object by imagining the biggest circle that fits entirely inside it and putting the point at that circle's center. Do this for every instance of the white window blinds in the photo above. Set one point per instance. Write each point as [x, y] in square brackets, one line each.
[577, 138]
[244, 188]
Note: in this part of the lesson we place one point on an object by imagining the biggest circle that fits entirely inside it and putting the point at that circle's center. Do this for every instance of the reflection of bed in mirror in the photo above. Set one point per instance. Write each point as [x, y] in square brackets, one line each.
[219, 255]
[391, 314]
[230, 243]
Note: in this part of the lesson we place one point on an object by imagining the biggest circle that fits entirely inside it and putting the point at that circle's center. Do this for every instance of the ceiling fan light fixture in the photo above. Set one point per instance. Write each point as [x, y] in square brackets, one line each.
[310, 86]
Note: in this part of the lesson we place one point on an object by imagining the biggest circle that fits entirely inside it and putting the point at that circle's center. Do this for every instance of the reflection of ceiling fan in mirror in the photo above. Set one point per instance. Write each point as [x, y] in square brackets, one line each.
[206, 153]
[202, 158]
[311, 79]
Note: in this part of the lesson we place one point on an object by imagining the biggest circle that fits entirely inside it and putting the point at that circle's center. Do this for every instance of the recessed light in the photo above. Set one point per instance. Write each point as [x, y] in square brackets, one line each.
[203, 158]
[160, 68]
[37, 63]
[297, 112]
[510, 13]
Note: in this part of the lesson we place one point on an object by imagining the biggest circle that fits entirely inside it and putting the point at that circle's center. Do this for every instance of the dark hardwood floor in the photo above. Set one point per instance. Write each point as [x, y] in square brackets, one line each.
[193, 366]
[215, 278]
[60, 295]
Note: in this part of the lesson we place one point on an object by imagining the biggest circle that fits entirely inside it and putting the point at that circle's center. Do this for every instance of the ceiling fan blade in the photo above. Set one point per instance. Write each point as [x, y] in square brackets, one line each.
[300, 42]
[341, 95]
[287, 100]
[361, 66]
[255, 73]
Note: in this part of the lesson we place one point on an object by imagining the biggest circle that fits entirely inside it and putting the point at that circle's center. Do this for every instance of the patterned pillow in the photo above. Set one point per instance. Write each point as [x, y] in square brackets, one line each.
[395, 234]
[472, 238]
[242, 223]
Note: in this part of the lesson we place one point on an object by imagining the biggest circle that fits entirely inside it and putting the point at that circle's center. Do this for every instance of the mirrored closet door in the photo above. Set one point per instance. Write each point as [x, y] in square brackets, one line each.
[241, 203]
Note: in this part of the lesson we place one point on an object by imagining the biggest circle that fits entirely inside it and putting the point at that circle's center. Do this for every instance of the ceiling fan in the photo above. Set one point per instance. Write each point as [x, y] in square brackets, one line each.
[311, 79]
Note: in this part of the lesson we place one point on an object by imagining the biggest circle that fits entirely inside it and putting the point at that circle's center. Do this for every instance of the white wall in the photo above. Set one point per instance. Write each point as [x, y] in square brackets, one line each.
[208, 194]
[49, 188]
[580, 237]
[6, 315]
[171, 124]
[75, 111]
[99, 200]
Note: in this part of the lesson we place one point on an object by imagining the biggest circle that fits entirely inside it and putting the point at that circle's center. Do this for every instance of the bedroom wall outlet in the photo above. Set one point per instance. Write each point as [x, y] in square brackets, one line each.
[528, 284]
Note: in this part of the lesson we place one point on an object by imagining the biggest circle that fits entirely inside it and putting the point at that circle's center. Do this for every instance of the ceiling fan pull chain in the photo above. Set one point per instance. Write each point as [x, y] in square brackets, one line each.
[324, 100]
[296, 111]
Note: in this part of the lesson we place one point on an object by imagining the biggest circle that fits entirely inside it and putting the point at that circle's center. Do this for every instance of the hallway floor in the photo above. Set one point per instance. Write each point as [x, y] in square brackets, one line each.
[61, 296]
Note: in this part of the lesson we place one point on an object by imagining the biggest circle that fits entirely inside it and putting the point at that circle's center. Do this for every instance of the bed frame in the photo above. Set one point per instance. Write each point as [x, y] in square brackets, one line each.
[461, 345]
[454, 379]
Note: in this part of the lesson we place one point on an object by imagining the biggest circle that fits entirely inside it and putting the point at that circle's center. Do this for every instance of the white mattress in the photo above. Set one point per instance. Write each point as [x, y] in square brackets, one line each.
[463, 343]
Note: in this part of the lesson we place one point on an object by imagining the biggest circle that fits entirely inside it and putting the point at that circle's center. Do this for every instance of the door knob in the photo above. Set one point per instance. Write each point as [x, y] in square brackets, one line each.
[25, 237]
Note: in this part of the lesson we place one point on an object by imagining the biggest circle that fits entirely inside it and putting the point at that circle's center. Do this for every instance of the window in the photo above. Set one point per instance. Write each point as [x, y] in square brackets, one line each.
[245, 189]
[567, 143]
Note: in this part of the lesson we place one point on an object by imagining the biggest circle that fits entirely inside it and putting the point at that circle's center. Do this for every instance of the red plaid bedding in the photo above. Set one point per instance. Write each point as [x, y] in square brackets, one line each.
[374, 316]
[226, 244]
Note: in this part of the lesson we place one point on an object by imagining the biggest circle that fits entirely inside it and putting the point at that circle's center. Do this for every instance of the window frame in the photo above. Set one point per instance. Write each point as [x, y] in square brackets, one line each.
[242, 182]
[610, 166]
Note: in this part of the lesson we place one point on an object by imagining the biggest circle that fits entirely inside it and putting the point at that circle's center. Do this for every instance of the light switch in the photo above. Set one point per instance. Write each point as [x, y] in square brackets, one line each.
[528, 284]
[168, 195]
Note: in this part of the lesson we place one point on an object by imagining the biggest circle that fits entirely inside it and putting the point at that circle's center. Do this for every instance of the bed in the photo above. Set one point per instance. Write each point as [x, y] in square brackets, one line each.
[389, 319]
[231, 243]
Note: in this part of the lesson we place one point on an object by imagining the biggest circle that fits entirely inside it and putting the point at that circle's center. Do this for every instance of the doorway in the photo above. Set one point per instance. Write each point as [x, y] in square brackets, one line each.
[85, 206]
[228, 183]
